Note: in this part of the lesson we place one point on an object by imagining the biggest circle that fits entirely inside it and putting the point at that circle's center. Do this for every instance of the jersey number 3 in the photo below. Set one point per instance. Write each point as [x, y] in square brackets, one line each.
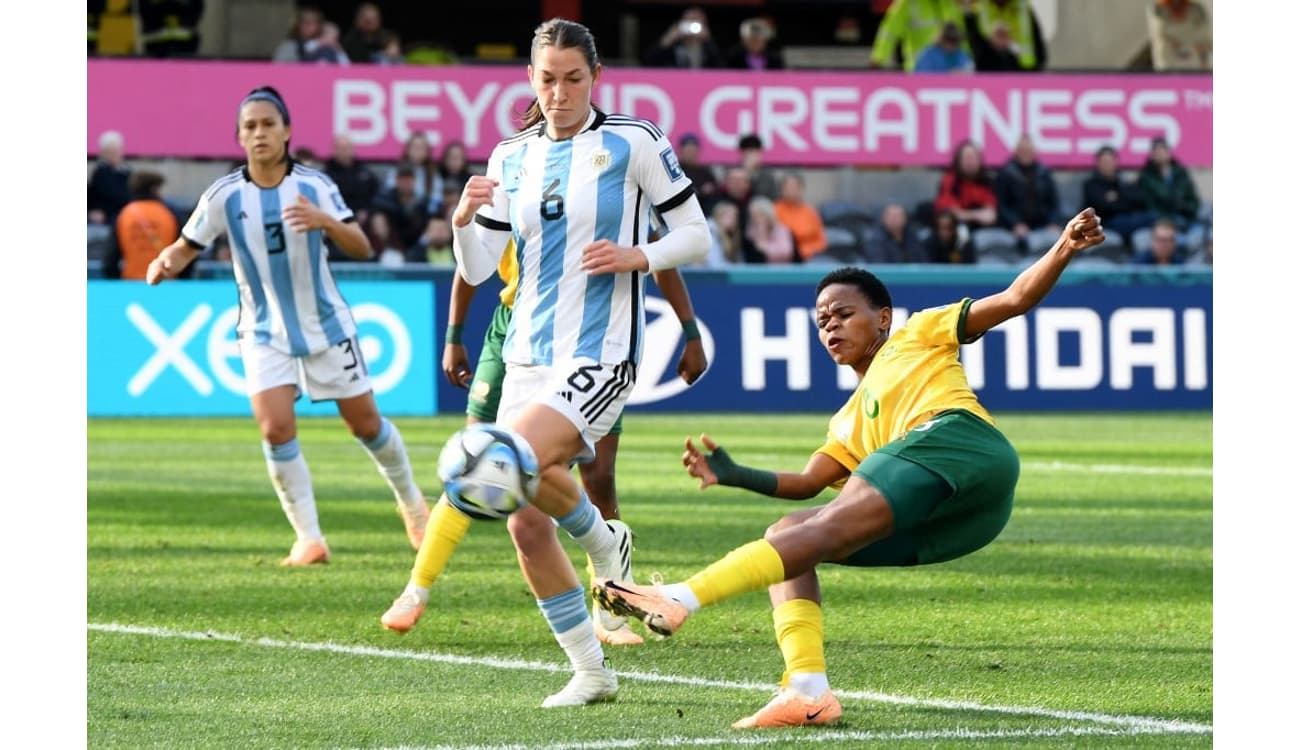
[552, 202]
[274, 238]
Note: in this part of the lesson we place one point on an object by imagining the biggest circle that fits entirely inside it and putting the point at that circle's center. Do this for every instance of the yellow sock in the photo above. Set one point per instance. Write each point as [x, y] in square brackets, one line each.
[446, 527]
[754, 566]
[799, 633]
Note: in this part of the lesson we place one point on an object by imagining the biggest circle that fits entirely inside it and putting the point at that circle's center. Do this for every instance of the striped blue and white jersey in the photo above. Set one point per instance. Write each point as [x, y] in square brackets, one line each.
[287, 296]
[557, 197]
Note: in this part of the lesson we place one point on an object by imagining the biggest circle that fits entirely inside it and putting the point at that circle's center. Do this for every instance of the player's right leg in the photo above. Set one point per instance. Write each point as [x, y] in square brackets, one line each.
[272, 377]
[598, 481]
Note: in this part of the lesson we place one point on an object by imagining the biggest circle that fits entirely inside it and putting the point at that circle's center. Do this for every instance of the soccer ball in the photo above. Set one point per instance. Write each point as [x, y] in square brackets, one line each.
[488, 471]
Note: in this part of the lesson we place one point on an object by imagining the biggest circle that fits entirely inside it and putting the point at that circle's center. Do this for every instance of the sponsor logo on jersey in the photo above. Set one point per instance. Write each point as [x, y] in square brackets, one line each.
[671, 165]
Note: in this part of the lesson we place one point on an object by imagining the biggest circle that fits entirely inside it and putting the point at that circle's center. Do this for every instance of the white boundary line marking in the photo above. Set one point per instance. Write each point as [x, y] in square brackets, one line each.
[1137, 724]
[1178, 471]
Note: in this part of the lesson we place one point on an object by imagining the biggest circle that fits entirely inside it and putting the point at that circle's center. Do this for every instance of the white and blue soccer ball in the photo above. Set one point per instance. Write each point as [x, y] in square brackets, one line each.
[488, 471]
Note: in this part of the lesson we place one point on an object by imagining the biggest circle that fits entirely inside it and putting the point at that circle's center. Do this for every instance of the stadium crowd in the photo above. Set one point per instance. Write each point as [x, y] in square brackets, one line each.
[998, 214]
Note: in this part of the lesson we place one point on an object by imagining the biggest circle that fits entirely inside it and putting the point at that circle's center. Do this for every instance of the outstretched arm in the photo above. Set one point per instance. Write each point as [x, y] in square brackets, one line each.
[716, 467]
[1033, 284]
[694, 361]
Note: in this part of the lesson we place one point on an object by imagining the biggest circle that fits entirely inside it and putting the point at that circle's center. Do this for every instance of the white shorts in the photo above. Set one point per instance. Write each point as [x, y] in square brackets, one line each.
[335, 373]
[590, 394]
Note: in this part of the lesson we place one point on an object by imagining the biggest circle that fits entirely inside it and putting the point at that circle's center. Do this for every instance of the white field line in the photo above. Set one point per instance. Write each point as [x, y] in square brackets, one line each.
[1177, 471]
[1139, 724]
[829, 734]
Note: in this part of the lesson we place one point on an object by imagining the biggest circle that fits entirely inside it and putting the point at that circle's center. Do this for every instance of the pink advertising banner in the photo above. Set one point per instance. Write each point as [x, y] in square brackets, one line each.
[188, 109]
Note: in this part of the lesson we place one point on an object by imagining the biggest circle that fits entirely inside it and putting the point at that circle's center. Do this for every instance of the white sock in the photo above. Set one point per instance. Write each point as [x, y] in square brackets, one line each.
[810, 684]
[420, 592]
[389, 453]
[682, 594]
[580, 644]
[292, 482]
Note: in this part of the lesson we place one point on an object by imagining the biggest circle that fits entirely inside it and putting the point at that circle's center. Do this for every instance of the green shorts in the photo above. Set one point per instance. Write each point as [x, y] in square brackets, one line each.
[485, 391]
[950, 482]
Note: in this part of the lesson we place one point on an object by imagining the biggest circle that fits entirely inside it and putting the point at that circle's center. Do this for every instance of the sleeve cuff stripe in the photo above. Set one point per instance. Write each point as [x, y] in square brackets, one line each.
[192, 243]
[490, 223]
[676, 200]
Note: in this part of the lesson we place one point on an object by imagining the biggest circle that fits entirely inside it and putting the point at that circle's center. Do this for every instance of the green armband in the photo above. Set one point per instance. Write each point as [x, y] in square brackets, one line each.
[732, 474]
[692, 330]
[453, 333]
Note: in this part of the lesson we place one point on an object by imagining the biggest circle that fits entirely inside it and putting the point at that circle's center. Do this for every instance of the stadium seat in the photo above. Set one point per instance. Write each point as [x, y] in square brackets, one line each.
[844, 245]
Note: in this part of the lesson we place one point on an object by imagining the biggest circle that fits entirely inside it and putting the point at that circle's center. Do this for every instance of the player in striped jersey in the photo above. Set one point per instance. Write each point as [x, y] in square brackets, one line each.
[923, 473]
[295, 329]
[484, 387]
[572, 189]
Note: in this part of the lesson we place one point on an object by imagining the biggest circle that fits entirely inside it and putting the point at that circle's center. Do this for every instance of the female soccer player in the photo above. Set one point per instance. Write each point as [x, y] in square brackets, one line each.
[925, 475]
[484, 387]
[294, 326]
[572, 189]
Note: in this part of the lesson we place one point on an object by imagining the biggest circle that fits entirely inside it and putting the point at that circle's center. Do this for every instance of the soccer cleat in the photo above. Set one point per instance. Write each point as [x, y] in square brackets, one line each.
[587, 686]
[621, 636]
[307, 552]
[617, 569]
[660, 613]
[790, 708]
[415, 519]
[404, 613]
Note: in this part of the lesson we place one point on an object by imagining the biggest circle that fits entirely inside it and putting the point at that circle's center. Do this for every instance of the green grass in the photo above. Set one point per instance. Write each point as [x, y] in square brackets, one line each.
[1096, 598]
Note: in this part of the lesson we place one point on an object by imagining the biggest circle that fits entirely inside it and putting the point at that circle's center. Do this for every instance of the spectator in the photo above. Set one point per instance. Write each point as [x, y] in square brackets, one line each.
[405, 210]
[1007, 33]
[417, 153]
[385, 241]
[800, 217]
[143, 228]
[170, 28]
[736, 187]
[908, 27]
[1164, 249]
[1028, 203]
[766, 237]
[305, 156]
[946, 243]
[1119, 203]
[367, 38]
[310, 39]
[391, 51]
[947, 54]
[686, 44]
[762, 180]
[327, 47]
[357, 183]
[894, 241]
[702, 177]
[434, 245]
[107, 191]
[1167, 187]
[753, 52]
[728, 243]
[453, 169]
[967, 190]
[1181, 35]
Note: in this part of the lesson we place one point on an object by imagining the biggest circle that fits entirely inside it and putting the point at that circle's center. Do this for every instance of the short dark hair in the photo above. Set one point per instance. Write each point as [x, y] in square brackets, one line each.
[405, 169]
[1105, 150]
[144, 184]
[871, 287]
[750, 141]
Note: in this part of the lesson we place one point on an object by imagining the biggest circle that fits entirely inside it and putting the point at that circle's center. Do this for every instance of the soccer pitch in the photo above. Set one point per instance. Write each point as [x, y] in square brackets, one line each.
[1087, 623]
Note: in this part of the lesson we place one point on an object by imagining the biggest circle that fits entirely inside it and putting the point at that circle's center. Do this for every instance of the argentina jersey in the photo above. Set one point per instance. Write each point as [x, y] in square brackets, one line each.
[560, 197]
[287, 296]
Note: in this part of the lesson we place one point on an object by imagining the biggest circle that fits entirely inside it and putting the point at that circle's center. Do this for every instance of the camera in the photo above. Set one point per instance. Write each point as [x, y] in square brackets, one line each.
[690, 27]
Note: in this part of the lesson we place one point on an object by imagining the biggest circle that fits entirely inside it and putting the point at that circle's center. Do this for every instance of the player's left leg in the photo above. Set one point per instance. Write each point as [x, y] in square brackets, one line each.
[339, 373]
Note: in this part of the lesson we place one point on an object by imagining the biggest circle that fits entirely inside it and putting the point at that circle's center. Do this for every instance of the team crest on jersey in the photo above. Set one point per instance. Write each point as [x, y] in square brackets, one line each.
[600, 159]
[671, 165]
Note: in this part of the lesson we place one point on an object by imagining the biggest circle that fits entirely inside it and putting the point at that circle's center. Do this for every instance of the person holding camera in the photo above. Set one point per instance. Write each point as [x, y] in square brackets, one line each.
[687, 44]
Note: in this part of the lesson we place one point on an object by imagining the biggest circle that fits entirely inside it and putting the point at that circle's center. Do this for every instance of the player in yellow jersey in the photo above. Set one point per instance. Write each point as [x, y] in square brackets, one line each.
[484, 386]
[925, 476]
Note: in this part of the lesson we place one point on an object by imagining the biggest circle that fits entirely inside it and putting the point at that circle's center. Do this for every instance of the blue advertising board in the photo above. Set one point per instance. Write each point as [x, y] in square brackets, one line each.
[171, 349]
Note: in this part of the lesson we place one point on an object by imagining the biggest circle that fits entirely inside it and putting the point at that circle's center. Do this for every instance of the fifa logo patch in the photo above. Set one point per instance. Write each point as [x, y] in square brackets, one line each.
[601, 159]
[673, 168]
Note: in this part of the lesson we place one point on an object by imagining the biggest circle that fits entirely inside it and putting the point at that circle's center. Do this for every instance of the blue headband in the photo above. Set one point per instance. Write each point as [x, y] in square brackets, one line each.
[267, 96]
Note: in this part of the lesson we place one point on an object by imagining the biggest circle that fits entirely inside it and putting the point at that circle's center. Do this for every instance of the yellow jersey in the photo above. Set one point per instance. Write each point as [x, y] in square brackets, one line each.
[508, 270]
[914, 376]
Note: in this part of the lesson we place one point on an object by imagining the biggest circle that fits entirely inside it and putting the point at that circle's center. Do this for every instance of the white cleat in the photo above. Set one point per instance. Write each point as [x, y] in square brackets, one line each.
[587, 686]
[618, 568]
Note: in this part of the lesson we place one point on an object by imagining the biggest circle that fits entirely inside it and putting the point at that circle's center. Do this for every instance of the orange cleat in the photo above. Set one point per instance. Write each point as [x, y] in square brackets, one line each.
[790, 708]
[404, 613]
[307, 552]
[620, 636]
[660, 613]
[415, 519]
